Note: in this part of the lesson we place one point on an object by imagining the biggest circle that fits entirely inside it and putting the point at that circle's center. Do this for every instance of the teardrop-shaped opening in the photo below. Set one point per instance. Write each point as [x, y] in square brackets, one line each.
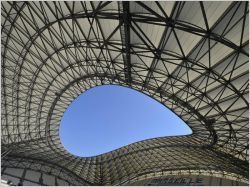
[108, 117]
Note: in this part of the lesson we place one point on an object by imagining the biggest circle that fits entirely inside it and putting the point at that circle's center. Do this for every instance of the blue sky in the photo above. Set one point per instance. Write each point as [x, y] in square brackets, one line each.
[108, 117]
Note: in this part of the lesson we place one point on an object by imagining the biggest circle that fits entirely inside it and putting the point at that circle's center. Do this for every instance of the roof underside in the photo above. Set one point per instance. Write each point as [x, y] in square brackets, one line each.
[190, 56]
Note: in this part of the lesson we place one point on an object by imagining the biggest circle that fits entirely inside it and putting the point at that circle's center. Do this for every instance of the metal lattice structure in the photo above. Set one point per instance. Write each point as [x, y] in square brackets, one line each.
[190, 56]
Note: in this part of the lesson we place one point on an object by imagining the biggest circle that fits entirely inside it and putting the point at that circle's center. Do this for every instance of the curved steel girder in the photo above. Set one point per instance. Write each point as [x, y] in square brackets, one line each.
[179, 101]
[40, 67]
[171, 97]
[211, 70]
[66, 68]
[187, 60]
[13, 22]
[35, 36]
[126, 39]
[190, 172]
[6, 43]
[81, 16]
[187, 27]
[45, 91]
[11, 146]
[48, 25]
[66, 46]
[191, 28]
[225, 160]
[226, 82]
[40, 31]
[51, 164]
[213, 165]
[220, 163]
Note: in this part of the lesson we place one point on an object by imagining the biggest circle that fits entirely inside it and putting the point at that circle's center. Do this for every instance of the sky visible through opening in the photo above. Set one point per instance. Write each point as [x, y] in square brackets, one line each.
[108, 117]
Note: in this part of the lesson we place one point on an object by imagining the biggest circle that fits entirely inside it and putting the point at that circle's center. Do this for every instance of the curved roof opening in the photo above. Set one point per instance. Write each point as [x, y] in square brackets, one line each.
[108, 117]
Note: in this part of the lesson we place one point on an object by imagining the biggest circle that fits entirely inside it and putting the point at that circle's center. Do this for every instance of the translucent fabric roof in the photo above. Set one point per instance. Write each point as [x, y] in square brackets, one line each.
[190, 56]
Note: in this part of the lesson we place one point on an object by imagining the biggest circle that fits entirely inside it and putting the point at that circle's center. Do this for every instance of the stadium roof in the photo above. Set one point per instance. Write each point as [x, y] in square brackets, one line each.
[190, 56]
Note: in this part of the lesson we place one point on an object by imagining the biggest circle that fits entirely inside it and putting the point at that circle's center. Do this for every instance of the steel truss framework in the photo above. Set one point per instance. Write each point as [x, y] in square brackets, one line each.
[190, 56]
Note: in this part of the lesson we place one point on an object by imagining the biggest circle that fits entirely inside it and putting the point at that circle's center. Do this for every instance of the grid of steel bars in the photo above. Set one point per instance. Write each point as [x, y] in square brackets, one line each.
[193, 62]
